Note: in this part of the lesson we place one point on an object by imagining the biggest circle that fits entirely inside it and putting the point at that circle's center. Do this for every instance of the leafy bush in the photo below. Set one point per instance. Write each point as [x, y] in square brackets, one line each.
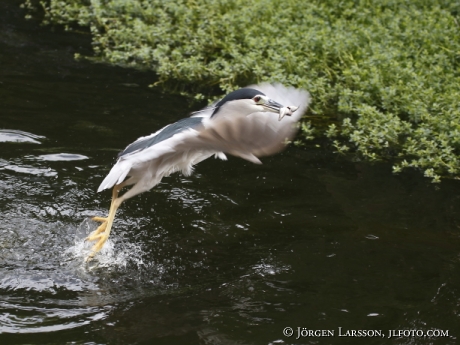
[388, 68]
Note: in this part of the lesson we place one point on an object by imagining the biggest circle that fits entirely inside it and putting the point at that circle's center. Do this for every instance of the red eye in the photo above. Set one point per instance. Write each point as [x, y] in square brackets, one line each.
[256, 99]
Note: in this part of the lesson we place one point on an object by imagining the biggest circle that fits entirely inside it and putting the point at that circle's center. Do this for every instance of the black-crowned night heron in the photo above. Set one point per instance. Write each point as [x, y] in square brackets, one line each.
[247, 123]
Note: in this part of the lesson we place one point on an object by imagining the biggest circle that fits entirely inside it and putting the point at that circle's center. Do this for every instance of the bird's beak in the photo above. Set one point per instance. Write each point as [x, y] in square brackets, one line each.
[275, 107]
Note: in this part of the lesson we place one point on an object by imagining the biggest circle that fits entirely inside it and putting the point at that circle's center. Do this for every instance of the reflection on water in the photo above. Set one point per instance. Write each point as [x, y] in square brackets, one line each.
[231, 255]
[62, 157]
[27, 169]
[15, 136]
[40, 319]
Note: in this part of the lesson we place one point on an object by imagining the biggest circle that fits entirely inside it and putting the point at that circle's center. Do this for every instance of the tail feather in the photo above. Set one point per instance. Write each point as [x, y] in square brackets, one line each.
[118, 173]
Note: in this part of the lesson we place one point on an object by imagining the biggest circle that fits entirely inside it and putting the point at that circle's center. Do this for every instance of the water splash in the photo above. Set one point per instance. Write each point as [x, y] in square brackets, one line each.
[115, 254]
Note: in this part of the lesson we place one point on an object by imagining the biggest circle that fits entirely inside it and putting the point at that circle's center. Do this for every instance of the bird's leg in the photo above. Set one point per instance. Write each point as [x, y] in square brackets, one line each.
[103, 220]
[103, 231]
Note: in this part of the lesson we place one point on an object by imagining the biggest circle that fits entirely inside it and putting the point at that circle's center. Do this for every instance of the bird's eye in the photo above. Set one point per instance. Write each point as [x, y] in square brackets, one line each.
[257, 99]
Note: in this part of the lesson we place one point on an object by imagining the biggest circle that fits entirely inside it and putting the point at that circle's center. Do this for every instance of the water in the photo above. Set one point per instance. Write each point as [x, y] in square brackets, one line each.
[231, 255]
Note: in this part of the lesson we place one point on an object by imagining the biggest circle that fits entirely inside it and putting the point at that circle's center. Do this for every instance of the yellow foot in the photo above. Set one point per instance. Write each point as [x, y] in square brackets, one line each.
[100, 219]
[100, 235]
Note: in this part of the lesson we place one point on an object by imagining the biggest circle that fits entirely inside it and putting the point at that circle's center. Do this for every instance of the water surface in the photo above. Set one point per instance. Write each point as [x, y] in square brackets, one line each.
[231, 255]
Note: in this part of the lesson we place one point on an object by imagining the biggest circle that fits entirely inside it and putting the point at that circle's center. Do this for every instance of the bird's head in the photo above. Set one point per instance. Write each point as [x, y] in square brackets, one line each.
[247, 101]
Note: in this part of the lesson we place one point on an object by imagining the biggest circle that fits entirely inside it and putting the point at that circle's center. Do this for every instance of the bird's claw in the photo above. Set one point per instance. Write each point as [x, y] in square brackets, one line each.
[98, 234]
[99, 219]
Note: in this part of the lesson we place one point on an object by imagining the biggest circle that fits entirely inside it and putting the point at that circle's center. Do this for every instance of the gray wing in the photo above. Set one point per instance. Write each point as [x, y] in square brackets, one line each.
[260, 134]
[161, 135]
[257, 135]
[154, 146]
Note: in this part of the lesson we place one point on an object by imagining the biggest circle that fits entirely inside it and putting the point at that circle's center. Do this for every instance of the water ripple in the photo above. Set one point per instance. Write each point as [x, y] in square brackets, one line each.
[62, 157]
[31, 170]
[38, 318]
[15, 136]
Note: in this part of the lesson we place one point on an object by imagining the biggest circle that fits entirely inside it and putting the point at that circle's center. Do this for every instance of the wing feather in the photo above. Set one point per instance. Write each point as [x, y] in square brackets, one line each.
[249, 137]
[256, 135]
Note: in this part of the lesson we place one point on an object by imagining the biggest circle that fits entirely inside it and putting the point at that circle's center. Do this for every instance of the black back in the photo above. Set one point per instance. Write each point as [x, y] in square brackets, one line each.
[246, 93]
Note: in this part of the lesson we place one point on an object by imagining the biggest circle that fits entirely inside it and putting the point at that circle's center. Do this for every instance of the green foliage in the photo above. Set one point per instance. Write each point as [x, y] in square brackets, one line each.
[390, 68]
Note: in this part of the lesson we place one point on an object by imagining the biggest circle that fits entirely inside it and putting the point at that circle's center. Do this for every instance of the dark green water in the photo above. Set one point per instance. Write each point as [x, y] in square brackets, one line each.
[231, 255]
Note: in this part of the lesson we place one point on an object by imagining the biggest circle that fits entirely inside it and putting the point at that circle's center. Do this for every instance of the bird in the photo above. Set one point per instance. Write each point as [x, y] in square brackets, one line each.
[251, 122]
